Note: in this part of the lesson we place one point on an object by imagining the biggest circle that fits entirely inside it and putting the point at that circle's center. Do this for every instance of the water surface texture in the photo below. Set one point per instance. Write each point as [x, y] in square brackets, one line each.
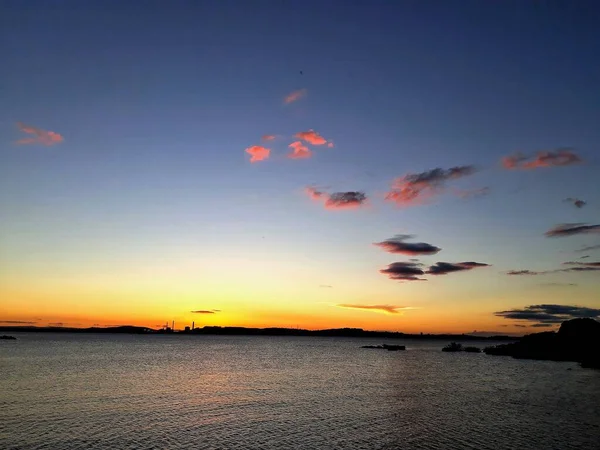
[74, 391]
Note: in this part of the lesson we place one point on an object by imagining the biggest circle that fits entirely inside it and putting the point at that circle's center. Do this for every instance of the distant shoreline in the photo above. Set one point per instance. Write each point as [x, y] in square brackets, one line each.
[242, 331]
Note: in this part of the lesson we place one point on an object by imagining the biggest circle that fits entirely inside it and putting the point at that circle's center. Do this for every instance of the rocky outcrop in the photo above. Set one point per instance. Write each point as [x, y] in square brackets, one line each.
[576, 340]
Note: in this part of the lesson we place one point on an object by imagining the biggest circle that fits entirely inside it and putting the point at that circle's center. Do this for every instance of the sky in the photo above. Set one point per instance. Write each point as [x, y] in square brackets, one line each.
[416, 166]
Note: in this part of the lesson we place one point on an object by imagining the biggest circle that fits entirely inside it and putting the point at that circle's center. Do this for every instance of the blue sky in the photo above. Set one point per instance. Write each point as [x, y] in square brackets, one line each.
[157, 102]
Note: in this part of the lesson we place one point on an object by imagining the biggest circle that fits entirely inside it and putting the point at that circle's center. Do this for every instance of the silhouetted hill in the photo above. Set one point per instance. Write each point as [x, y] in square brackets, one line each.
[128, 329]
[576, 340]
[243, 331]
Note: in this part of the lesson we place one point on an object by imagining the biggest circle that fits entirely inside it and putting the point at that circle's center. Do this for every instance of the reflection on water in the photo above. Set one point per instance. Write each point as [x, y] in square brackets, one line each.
[61, 391]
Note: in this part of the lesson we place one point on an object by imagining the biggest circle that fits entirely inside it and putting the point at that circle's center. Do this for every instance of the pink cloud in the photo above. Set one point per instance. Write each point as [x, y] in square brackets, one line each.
[418, 188]
[295, 96]
[258, 153]
[40, 136]
[388, 309]
[338, 200]
[312, 137]
[268, 137]
[299, 151]
[557, 158]
[472, 193]
[314, 194]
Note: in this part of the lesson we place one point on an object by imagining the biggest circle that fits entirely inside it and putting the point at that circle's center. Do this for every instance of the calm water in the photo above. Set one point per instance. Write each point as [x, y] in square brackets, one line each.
[75, 391]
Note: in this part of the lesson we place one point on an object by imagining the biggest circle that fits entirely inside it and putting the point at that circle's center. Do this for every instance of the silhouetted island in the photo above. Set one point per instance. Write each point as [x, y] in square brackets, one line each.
[472, 349]
[388, 347]
[243, 331]
[577, 340]
[452, 347]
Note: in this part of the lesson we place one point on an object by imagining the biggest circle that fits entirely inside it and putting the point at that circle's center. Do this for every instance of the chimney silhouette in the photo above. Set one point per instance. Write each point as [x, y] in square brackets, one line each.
[193, 325]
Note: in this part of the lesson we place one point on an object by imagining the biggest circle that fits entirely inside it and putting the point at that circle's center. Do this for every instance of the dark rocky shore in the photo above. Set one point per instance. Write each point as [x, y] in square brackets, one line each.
[577, 340]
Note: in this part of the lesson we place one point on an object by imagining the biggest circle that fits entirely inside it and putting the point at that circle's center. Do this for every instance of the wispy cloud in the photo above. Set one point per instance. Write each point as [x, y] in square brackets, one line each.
[472, 193]
[556, 158]
[388, 309]
[549, 313]
[17, 322]
[38, 136]
[312, 137]
[206, 311]
[258, 153]
[398, 245]
[580, 266]
[328, 286]
[523, 272]
[404, 271]
[576, 202]
[295, 96]
[268, 137]
[570, 229]
[443, 268]
[588, 248]
[299, 151]
[338, 200]
[418, 188]
[583, 263]
[314, 193]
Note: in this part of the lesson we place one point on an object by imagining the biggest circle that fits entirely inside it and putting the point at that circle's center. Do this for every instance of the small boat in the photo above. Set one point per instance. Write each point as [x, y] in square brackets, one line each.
[4, 336]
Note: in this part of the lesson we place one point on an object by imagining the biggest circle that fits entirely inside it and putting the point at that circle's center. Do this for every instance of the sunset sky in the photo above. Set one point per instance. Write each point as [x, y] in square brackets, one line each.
[240, 159]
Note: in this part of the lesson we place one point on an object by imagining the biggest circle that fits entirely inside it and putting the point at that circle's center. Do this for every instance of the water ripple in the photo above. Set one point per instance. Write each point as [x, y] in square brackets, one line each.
[65, 392]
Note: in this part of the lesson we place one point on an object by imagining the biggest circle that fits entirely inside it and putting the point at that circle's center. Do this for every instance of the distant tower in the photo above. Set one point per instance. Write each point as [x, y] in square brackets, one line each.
[193, 325]
[173, 326]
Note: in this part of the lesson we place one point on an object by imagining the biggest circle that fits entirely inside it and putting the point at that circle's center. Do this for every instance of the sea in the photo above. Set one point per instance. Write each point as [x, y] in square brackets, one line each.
[65, 391]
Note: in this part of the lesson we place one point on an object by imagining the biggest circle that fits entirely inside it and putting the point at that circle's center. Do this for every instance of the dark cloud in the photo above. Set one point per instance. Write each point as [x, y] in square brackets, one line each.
[17, 322]
[389, 309]
[404, 271]
[570, 229]
[558, 284]
[583, 263]
[584, 257]
[56, 324]
[417, 188]
[576, 202]
[557, 158]
[549, 313]
[205, 311]
[543, 325]
[398, 245]
[443, 268]
[338, 200]
[580, 267]
[350, 199]
[523, 272]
